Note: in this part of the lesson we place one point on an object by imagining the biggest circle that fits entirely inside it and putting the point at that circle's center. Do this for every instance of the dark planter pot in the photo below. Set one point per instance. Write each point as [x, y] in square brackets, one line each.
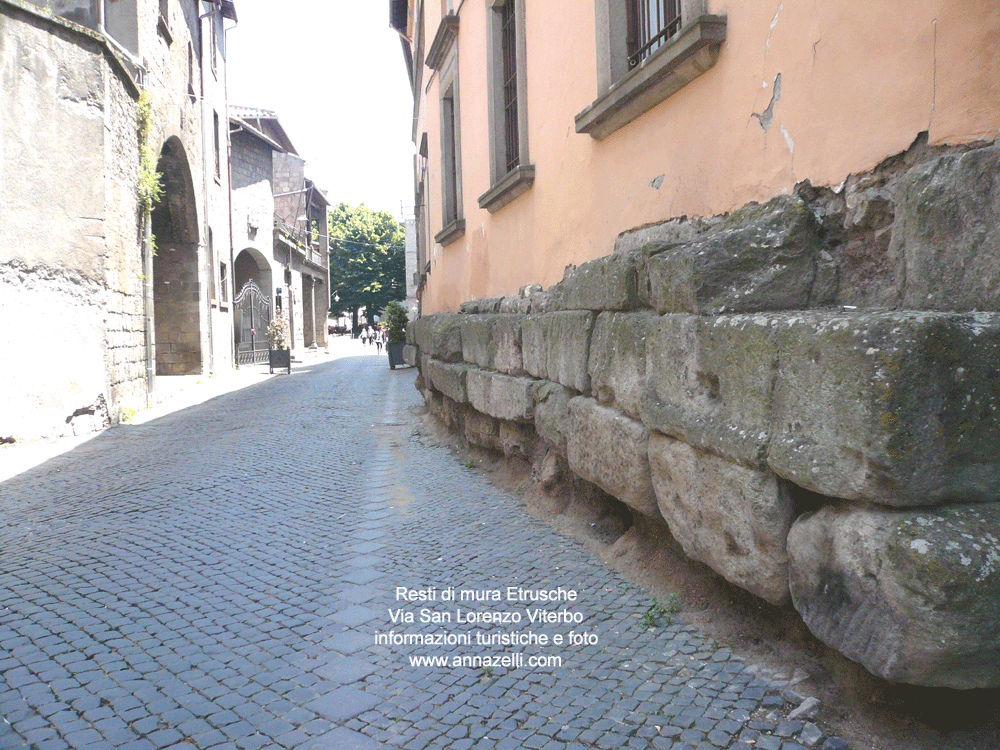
[395, 354]
[280, 358]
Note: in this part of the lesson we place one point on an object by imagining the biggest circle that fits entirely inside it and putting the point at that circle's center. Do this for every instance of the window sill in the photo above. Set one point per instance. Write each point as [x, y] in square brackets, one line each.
[451, 232]
[511, 185]
[692, 52]
[164, 28]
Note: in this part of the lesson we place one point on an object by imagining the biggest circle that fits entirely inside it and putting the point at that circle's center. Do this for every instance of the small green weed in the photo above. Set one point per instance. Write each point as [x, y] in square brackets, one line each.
[661, 612]
[128, 414]
[469, 463]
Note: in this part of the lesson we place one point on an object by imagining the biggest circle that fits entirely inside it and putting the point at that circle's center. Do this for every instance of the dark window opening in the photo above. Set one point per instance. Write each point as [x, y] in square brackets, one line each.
[508, 43]
[650, 24]
[450, 160]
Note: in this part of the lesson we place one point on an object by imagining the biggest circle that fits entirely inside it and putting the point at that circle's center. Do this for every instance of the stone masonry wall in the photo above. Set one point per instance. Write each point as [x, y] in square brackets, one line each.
[806, 391]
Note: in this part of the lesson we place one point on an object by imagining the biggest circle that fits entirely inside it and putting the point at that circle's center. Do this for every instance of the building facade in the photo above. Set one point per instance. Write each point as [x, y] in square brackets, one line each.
[99, 292]
[552, 127]
[281, 239]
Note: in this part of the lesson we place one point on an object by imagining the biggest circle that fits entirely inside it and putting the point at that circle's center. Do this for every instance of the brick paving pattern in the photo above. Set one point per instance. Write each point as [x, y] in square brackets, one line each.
[215, 579]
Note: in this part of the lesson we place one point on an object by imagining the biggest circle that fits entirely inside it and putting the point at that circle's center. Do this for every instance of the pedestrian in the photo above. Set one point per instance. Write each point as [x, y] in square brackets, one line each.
[370, 335]
[363, 336]
[379, 339]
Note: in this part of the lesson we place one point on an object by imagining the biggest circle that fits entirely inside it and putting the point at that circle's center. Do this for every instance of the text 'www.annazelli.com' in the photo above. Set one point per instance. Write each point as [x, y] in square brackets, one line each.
[487, 661]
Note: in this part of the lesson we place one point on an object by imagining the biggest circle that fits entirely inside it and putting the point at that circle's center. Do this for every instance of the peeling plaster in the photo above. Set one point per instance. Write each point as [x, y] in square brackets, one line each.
[656, 181]
[788, 141]
[774, 22]
[767, 115]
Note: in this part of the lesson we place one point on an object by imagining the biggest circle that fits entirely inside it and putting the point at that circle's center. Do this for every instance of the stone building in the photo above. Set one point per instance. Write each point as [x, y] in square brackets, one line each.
[280, 238]
[735, 269]
[91, 313]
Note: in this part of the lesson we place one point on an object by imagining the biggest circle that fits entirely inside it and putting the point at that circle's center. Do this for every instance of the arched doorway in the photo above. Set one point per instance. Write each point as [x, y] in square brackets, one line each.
[251, 307]
[176, 283]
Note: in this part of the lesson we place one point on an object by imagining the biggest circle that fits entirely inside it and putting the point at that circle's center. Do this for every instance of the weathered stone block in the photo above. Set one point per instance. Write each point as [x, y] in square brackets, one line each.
[609, 449]
[899, 408]
[552, 421]
[618, 360]
[493, 342]
[608, 283]
[447, 378]
[483, 430]
[710, 383]
[439, 336]
[556, 347]
[411, 355]
[762, 257]
[733, 519]
[913, 595]
[501, 396]
[950, 223]
[517, 440]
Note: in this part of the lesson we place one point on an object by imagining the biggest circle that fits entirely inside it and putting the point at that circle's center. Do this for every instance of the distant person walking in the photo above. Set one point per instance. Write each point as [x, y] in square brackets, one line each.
[379, 339]
[363, 336]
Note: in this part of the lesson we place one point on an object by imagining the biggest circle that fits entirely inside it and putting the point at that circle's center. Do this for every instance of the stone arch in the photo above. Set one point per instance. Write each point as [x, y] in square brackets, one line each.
[176, 280]
[251, 264]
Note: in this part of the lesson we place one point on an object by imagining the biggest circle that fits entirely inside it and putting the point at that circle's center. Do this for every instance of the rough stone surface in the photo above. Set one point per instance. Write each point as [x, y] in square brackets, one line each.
[733, 519]
[618, 360]
[517, 440]
[900, 408]
[501, 396]
[449, 379]
[411, 355]
[439, 336]
[710, 382]
[493, 342]
[950, 215]
[912, 595]
[557, 347]
[482, 430]
[552, 421]
[762, 257]
[607, 283]
[609, 449]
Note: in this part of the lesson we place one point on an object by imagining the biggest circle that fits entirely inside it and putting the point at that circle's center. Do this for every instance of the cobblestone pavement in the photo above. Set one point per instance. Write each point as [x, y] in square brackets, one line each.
[217, 578]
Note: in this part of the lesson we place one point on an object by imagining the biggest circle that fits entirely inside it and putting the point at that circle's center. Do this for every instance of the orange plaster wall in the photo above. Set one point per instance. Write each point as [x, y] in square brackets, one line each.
[859, 81]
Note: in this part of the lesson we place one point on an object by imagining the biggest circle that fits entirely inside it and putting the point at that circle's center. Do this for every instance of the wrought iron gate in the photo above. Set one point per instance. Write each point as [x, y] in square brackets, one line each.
[252, 313]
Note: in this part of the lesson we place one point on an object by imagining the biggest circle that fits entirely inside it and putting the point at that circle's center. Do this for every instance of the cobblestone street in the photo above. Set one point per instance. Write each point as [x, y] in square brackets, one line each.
[217, 578]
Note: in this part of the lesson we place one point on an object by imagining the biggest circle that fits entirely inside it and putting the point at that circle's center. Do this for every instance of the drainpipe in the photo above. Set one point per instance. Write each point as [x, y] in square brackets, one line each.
[208, 168]
[147, 307]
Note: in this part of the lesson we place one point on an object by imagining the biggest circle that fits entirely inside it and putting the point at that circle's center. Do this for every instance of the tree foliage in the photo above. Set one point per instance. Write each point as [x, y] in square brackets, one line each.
[367, 260]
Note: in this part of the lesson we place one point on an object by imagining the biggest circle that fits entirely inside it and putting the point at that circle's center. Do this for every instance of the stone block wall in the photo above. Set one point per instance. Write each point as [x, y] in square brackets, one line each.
[807, 392]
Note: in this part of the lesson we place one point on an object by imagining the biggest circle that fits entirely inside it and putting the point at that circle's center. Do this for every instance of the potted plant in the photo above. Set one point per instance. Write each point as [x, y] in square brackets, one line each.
[395, 320]
[278, 354]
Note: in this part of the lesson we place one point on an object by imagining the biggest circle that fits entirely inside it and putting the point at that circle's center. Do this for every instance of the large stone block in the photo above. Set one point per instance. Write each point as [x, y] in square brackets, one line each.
[411, 355]
[950, 224]
[609, 449]
[733, 519]
[483, 430]
[608, 283]
[762, 257]
[447, 378]
[556, 347]
[517, 440]
[710, 382]
[912, 595]
[552, 421]
[899, 408]
[493, 342]
[618, 360]
[439, 336]
[501, 396]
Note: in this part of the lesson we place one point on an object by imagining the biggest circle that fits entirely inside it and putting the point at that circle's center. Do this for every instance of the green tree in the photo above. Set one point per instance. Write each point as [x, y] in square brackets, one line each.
[367, 260]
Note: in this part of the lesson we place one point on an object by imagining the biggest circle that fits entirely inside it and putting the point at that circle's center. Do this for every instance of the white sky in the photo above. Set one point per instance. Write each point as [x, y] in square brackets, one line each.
[333, 71]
